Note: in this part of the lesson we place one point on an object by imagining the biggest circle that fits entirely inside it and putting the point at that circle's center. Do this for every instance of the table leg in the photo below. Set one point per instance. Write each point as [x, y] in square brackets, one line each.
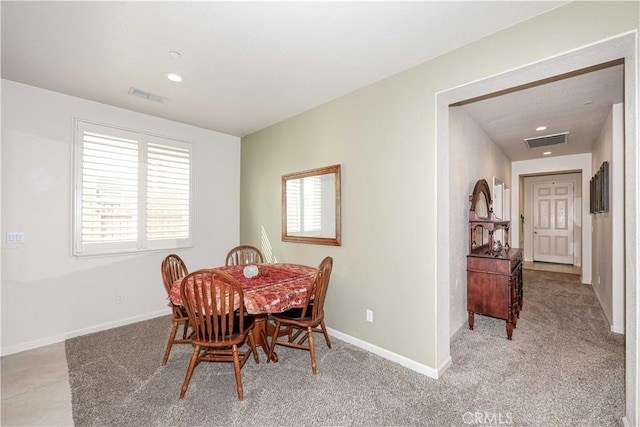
[261, 334]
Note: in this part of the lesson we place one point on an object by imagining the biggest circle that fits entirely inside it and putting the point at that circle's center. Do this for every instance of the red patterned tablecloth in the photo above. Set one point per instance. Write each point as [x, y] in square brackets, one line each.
[278, 288]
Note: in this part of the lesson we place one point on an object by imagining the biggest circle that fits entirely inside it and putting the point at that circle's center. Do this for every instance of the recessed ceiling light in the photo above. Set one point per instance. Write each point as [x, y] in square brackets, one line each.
[174, 54]
[546, 153]
[539, 128]
[174, 77]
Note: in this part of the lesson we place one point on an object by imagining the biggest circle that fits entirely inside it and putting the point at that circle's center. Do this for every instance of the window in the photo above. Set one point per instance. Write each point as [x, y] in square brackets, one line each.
[132, 191]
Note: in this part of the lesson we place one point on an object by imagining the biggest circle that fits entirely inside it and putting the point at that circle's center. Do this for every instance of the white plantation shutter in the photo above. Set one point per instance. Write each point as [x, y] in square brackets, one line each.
[109, 188]
[132, 191]
[304, 206]
[312, 204]
[168, 190]
[294, 220]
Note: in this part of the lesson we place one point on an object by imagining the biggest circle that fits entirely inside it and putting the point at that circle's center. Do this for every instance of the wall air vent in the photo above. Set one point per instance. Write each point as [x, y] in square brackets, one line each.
[146, 95]
[547, 140]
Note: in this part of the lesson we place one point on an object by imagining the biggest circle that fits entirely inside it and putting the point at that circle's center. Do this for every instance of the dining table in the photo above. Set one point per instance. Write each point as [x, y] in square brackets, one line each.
[276, 288]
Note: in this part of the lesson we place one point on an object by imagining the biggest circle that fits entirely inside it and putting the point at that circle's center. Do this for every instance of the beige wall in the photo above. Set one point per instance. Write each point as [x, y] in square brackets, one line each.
[395, 175]
[386, 173]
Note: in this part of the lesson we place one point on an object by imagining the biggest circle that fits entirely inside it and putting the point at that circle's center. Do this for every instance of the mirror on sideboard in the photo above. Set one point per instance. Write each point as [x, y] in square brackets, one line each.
[311, 206]
[481, 202]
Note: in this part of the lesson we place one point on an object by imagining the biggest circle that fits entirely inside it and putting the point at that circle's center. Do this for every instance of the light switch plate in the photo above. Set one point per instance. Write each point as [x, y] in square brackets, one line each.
[14, 238]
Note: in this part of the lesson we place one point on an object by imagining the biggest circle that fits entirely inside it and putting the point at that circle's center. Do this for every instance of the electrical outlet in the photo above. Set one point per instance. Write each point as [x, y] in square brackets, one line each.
[369, 315]
[120, 298]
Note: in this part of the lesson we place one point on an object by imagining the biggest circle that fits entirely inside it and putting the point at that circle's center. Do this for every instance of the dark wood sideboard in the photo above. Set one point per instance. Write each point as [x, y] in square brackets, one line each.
[494, 269]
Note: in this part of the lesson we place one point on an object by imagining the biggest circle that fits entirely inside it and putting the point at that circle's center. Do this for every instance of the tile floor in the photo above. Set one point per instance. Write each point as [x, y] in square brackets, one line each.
[547, 266]
[35, 388]
[35, 383]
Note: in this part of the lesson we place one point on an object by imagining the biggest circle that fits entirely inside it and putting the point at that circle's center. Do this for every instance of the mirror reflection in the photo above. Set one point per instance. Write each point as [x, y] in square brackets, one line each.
[311, 206]
[480, 201]
[481, 208]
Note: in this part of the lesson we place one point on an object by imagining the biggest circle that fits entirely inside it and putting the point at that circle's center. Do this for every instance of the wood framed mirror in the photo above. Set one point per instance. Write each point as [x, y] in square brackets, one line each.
[481, 202]
[311, 206]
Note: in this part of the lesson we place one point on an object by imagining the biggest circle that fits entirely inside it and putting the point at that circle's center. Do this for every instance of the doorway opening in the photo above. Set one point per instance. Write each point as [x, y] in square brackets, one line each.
[448, 265]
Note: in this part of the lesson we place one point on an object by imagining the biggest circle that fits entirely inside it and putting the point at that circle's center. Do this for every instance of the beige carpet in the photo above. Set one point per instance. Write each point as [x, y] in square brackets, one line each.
[562, 368]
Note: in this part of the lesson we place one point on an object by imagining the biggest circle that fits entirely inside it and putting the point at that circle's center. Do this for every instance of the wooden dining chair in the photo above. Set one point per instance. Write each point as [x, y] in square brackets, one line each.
[173, 268]
[215, 304]
[299, 324]
[243, 255]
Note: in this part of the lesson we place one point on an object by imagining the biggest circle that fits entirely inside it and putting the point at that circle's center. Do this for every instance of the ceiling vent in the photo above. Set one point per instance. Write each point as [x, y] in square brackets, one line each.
[547, 140]
[146, 95]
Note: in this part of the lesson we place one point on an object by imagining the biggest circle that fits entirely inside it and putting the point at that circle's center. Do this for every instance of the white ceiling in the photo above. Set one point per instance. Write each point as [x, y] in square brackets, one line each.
[248, 65]
[578, 105]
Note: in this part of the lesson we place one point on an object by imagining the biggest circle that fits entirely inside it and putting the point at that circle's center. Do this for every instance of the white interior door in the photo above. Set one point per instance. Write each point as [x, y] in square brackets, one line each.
[553, 222]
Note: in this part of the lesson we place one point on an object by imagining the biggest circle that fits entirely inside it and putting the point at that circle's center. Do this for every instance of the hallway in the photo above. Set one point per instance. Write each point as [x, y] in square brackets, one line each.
[547, 266]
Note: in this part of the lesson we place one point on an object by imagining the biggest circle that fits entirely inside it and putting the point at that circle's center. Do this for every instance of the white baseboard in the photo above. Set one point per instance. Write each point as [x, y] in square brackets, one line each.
[394, 357]
[30, 345]
[617, 329]
[444, 366]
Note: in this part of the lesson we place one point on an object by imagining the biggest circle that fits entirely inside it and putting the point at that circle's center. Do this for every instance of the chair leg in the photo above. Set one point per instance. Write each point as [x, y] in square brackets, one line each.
[326, 335]
[185, 329]
[274, 338]
[312, 351]
[192, 365]
[304, 337]
[252, 344]
[236, 368]
[294, 335]
[172, 337]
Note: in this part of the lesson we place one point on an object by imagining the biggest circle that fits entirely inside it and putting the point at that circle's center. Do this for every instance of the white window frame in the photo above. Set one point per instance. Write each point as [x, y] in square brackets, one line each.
[140, 242]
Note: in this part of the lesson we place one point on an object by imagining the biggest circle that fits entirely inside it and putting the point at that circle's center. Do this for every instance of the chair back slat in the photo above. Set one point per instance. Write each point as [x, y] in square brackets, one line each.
[173, 268]
[244, 255]
[320, 284]
[215, 304]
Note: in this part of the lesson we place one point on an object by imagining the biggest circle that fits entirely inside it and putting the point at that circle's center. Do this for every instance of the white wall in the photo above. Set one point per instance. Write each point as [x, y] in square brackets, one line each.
[617, 188]
[603, 226]
[49, 295]
[467, 141]
[608, 227]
